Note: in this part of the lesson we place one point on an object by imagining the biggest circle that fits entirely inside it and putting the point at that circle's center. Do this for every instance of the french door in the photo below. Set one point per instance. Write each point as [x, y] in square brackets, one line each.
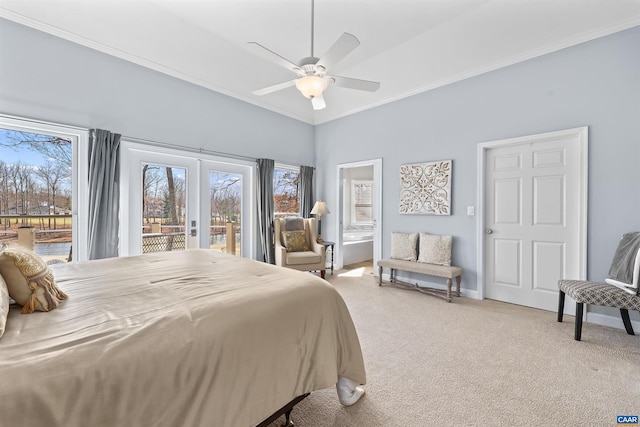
[173, 202]
[161, 211]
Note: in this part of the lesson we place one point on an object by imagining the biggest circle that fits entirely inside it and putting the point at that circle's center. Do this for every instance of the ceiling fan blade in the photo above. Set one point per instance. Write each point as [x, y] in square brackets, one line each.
[274, 57]
[356, 83]
[341, 48]
[318, 102]
[273, 88]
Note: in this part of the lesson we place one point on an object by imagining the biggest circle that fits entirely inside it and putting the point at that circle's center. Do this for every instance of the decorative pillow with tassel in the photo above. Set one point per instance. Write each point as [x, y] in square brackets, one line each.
[4, 305]
[29, 280]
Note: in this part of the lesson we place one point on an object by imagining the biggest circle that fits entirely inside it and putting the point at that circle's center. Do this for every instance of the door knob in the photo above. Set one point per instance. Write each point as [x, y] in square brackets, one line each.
[489, 231]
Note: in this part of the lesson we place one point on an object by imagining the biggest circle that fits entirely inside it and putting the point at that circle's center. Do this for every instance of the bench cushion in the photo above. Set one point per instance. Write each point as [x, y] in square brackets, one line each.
[599, 294]
[448, 272]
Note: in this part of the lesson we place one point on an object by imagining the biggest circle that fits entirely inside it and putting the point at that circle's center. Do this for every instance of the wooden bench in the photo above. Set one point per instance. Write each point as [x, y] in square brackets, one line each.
[448, 272]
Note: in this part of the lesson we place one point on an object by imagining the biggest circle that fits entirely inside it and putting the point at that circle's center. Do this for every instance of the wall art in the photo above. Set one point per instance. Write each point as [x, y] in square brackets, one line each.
[426, 188]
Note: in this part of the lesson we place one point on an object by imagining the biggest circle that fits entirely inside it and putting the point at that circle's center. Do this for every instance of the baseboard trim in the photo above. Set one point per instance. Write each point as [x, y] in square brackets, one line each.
[469, 293]
[611, 321]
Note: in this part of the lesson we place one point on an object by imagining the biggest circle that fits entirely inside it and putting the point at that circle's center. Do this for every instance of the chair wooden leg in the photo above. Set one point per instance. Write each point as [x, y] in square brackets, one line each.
[627, 322]
[322, 273]
[560, 306]
[578, 332]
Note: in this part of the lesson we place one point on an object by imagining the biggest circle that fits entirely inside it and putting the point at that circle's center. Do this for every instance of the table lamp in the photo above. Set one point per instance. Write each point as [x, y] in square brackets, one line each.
[319, 209]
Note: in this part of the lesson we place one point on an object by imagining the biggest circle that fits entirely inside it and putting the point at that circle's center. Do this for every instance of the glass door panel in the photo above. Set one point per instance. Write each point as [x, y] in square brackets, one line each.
[225, 213]
[163, 208]
[226, 208]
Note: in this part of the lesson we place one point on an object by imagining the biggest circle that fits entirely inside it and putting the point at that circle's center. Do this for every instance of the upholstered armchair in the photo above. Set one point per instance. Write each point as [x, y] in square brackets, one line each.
[296, 246]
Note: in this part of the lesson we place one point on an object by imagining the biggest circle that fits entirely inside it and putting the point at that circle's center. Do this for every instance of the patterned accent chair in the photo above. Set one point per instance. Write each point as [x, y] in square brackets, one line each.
[612, 293]
[296, 246]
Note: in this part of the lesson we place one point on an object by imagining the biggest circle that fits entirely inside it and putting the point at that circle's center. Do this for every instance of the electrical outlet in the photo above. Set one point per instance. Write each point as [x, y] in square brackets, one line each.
[471, 211]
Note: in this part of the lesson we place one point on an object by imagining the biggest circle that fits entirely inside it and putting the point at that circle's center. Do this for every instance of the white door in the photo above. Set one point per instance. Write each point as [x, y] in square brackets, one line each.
[535, 216]
[162, 202]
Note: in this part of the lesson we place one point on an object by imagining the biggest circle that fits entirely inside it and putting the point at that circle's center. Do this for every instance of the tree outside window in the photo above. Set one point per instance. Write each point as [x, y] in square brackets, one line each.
[286, 192]
[36, 189]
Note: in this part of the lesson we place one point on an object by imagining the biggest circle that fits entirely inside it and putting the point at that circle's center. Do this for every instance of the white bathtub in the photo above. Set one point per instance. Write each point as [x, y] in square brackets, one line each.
[357, 235]
[357, 245]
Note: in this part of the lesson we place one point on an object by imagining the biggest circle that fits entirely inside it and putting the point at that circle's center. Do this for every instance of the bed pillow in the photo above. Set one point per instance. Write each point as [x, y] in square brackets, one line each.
[4, 305]
[435, 249]
[295, 241]
[403, 246]
[29, 280]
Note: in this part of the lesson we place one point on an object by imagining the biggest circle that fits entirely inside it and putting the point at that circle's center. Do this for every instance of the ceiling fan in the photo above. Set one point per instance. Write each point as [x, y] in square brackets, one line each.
[312, 72]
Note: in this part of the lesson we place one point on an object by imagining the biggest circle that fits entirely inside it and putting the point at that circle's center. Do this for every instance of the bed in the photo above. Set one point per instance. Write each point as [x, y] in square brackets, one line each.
[190, 338]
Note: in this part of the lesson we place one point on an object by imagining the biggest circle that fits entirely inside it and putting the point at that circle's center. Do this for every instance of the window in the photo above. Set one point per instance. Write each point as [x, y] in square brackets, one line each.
[38, 196]
[361, 202]
[286, 193]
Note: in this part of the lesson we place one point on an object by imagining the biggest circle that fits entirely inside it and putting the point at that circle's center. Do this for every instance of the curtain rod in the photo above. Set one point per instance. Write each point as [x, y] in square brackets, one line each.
[189, 149]
[198, 150]
[142, 140]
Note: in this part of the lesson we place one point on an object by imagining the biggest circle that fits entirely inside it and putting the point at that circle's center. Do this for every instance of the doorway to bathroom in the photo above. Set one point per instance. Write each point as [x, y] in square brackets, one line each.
[360, 213]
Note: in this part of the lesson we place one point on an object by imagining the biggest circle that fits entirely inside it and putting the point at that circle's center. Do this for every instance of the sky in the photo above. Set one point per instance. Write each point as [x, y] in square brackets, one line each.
[11, 155]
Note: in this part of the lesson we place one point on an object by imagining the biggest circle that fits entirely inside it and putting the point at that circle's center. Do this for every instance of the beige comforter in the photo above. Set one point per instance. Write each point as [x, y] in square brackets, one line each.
[192, 338]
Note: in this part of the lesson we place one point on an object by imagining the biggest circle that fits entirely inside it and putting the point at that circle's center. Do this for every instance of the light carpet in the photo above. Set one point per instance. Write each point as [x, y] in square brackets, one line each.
[476, 363]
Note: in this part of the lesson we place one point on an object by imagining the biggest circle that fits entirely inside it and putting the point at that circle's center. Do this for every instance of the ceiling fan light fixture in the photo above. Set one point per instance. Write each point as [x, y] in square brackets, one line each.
[311, 86]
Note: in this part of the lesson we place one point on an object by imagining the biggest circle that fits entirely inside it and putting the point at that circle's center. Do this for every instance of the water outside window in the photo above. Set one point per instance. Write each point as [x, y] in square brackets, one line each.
[36, 192]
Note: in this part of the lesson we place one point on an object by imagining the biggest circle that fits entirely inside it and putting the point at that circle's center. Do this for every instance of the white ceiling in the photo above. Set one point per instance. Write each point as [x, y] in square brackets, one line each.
[409, 46]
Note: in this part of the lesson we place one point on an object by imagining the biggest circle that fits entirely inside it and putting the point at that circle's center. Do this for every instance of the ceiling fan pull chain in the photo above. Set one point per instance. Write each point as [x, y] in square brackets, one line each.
[312, 24]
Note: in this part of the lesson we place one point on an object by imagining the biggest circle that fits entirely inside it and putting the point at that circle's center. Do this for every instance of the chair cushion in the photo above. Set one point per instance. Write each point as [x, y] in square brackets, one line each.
[295, 241]
[403, 246]
[599, 294]
[435, 249]
[299, 258]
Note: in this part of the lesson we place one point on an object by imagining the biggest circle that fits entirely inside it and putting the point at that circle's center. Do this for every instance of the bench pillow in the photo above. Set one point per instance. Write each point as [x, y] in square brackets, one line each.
[435, 249]
[403, 246]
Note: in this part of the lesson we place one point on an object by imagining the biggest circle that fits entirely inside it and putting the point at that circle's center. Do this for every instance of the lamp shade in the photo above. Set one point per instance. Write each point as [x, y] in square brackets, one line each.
[320, 208]
[311, 86]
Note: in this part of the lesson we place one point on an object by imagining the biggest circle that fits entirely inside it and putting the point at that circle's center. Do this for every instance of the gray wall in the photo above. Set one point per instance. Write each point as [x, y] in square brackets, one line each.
[595, 84]
[47, 78]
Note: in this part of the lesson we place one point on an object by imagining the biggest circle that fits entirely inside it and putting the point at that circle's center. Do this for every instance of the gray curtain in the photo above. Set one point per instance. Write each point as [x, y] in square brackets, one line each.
[104, 193]
[306, 191]
[264, 192]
